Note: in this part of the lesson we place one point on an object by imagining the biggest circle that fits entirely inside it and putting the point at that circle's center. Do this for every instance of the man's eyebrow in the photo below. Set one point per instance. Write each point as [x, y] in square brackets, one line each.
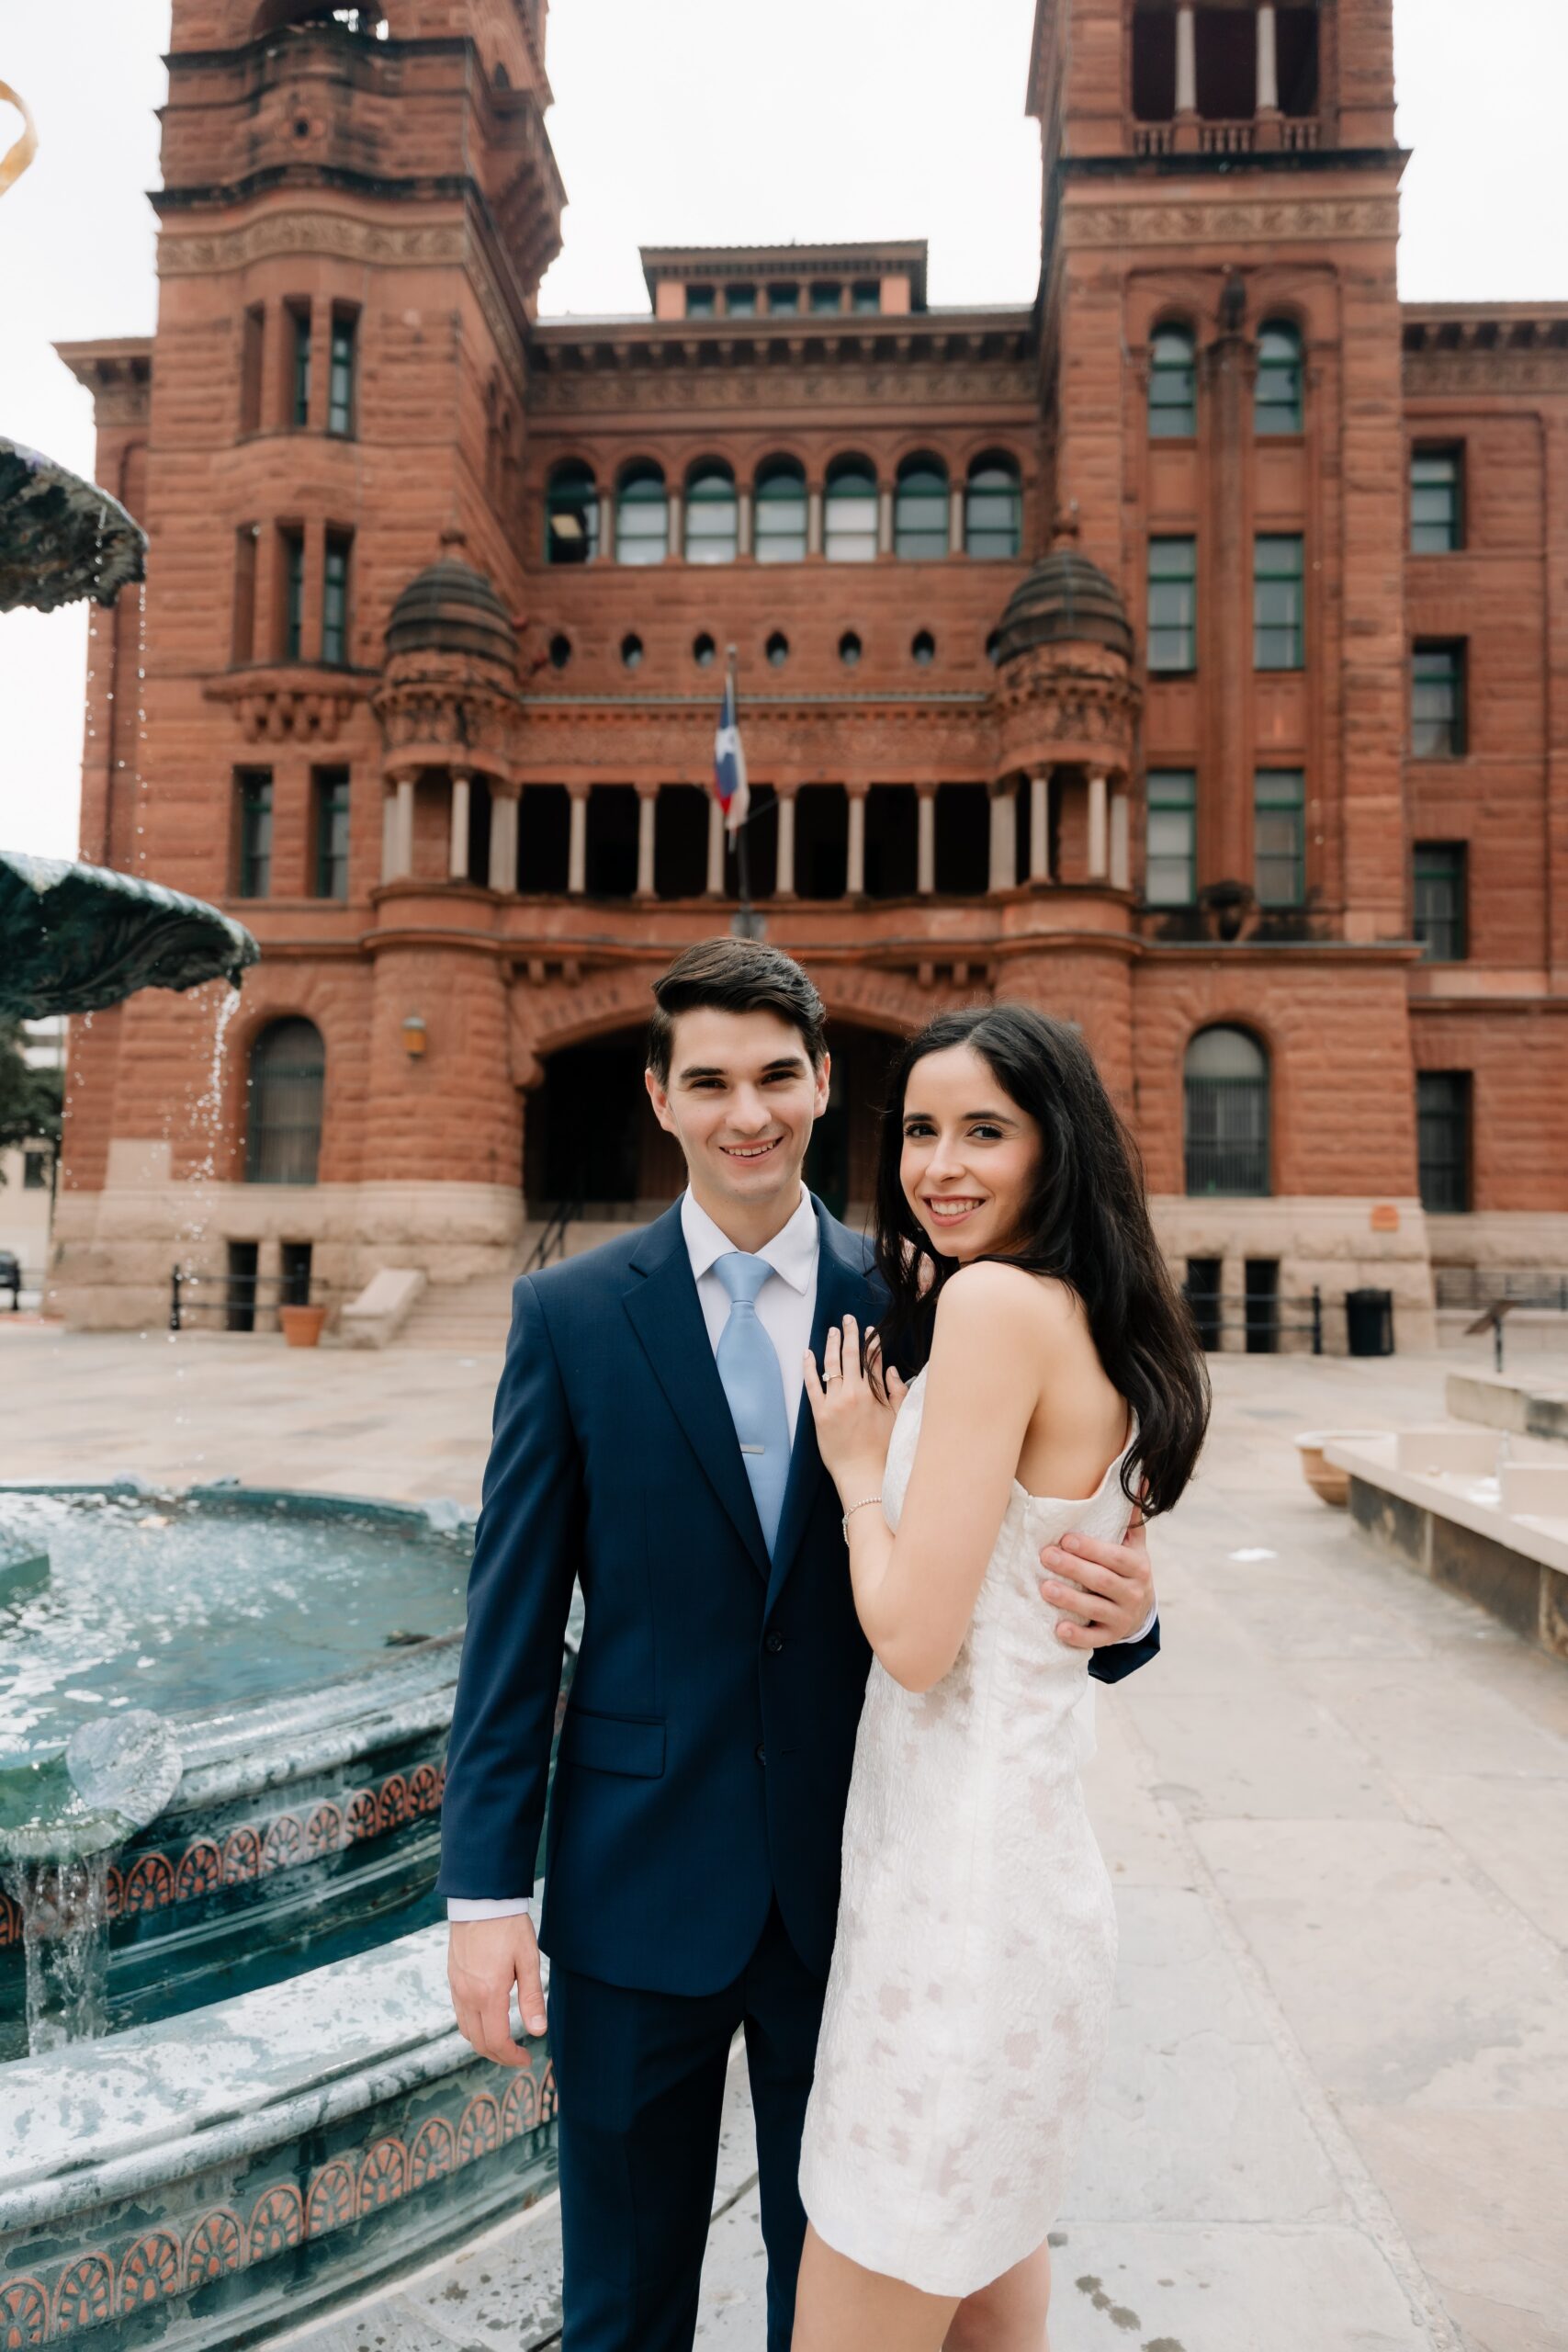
[713, 1070]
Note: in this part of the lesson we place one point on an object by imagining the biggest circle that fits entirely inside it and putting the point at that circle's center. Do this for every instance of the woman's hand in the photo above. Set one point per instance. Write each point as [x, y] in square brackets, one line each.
[853, 1420]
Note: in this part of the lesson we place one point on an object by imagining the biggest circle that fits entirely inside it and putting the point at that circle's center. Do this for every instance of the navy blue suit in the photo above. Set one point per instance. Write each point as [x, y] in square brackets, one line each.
[692, 1861]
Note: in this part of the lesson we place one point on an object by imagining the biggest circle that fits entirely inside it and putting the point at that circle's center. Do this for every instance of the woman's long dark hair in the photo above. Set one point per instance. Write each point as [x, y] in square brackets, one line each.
[1087, 1222]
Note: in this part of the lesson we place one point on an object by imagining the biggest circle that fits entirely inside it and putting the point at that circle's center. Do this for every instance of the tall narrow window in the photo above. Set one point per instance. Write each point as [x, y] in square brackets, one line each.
[850, 512]
[1439, 897]
[1436, 701]
[1443, 1139]
[713, 517]
[1171, 878]
[779, 526]
[1226, 1085]
[243, 639]
[571, 513]
[642, 516]
[254, 792]
[253, 337]
[1279, 837]
[1277, 398]
[1278, 601]
[341, 373]
[291, 547]
[331, 832]
[1173, 385]
[1173, 605]
[334, 596]
[1437, 501]
[993, 510]
[921, 507]
[288, 1073]
[300, 378]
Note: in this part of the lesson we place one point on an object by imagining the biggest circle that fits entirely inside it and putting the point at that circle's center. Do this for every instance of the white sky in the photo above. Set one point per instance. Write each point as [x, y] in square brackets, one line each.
[840, 118]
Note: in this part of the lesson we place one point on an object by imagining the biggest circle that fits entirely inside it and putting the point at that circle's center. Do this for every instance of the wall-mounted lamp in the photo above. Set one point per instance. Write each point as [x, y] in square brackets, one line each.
[415, 1036]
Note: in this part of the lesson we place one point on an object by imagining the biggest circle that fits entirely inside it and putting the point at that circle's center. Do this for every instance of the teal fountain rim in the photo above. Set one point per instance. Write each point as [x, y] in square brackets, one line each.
[81, 937]
[60, 538]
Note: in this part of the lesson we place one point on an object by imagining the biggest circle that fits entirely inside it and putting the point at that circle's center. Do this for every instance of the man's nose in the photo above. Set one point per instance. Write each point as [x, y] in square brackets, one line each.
[750, 1112]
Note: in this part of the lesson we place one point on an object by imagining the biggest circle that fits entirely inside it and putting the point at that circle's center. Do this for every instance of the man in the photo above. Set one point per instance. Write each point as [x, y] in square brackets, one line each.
[643, 1443]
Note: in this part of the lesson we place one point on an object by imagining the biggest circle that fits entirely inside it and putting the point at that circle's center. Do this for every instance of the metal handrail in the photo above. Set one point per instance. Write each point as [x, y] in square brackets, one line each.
[1257, 1315]
[241, 1291]
[553, 1239]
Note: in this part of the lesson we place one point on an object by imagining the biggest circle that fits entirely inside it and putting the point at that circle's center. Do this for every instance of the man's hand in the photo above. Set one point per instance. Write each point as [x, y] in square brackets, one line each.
[1105, 1591]
[484, 1959]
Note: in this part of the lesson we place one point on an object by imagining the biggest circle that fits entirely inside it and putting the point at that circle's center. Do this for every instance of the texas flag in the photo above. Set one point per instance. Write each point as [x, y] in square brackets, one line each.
[729, 764]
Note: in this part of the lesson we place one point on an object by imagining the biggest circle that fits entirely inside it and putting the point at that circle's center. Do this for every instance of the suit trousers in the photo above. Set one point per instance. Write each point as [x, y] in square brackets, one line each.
[641, 2078]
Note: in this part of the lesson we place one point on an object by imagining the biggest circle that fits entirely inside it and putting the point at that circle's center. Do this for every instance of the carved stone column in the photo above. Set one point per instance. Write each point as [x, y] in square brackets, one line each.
[1099, 831]
[577, 846]
[607, 526]
[1004, 838]
[784, 886]
[955, 519]
[814, 520]
[503, 800]
[743, 523]
[884, 519]
[1040, 829]
[457, 848]
[716, 849]
[646, 815]
[925, 839]
[855, 876]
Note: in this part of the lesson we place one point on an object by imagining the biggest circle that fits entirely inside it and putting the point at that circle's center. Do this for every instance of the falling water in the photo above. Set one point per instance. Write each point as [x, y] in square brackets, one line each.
[208, 1126]
[65, 1946]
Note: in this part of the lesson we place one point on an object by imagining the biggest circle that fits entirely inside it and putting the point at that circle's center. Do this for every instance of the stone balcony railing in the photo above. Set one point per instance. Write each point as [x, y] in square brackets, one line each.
[1257, 134]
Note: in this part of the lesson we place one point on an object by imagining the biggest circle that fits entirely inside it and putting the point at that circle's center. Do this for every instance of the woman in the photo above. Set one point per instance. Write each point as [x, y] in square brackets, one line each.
[970, 1982]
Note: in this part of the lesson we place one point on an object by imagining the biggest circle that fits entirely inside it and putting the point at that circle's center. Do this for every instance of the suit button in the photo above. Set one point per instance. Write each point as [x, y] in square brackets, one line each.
[762, 1756]
[774, 1644]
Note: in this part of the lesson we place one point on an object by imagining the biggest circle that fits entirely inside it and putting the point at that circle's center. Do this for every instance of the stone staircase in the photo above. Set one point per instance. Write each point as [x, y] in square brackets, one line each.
[475, 1317]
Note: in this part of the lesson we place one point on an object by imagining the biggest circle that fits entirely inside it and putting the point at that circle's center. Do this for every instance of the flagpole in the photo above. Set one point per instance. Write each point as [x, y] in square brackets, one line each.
[746, 923]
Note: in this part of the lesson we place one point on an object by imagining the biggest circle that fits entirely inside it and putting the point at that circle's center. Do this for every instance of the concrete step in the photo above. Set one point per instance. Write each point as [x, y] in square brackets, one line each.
[477, 1314]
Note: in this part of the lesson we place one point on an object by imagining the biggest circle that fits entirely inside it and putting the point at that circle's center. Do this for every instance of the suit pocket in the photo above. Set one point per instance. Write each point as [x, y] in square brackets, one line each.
[629, 1743]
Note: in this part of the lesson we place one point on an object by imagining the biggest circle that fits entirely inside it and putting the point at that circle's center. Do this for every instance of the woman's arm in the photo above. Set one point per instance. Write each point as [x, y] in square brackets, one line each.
[915, 1592]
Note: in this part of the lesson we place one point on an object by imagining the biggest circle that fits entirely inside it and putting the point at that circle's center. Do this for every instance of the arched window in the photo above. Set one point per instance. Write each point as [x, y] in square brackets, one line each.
[1173, 385]
[283, 1127]
[919, 510]
[779, 529]
[713, 516]
[849, 516]
[1277, 400]
[642, 514]
[993, 509]
[1226, 1087]
[571, 513]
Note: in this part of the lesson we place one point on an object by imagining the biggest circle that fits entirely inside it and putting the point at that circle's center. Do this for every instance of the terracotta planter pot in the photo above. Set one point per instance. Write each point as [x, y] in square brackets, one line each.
[1331, 1486]
[302, 1325]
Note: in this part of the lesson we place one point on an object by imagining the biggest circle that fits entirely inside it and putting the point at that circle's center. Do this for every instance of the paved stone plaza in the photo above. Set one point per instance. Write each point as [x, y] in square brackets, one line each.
[1335, 2115]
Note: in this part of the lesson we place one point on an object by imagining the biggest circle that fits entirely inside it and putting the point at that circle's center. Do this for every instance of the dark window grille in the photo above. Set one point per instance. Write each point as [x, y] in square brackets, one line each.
[572, 514]
[284, 1137]
[1260, 1295]
[1438, 702]
[339, 374]
[1173, 386]
[254, 787]
[1173, 605]
[1226, 1089]
[1279, 837]
[300, 411]
[1442, 1134]
[1171, 866]
[335, 598]
[331, 832]
[1277, 396]
[1437, 501]
[993, 511]
[1279, 603]
[293, 595]
[1440, 894]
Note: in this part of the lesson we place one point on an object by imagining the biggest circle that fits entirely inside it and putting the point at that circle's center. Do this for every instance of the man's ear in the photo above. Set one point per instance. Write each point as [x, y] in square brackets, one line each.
[660, 1100]
[824, 1074]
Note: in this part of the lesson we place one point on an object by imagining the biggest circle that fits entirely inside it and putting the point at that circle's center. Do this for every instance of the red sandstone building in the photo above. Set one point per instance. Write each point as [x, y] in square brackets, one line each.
[1186, 652]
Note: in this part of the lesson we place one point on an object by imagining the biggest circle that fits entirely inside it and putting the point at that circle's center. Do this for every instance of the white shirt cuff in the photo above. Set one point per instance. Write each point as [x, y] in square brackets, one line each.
[1147, 1628]
[485, 1906]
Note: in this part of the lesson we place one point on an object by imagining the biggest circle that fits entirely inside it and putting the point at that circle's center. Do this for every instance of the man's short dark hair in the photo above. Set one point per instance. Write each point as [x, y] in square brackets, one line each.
[735, 975]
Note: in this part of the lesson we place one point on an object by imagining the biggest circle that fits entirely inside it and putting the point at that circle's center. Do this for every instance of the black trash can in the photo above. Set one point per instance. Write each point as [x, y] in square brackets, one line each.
[1368, 1322]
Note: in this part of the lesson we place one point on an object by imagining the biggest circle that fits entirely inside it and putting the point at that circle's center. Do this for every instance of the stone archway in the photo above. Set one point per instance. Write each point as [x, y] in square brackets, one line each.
[590, 1134]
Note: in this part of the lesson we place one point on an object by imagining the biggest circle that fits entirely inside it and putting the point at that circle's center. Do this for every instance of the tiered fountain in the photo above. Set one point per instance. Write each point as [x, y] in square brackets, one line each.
[233, 2091]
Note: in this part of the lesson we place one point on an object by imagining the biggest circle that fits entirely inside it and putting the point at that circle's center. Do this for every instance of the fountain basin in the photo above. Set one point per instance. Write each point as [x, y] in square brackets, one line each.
[81, 937]
[214, 2179]
[61, 538]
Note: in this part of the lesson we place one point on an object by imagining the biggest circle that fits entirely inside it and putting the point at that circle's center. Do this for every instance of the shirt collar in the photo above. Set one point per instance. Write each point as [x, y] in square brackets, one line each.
[792, 1252]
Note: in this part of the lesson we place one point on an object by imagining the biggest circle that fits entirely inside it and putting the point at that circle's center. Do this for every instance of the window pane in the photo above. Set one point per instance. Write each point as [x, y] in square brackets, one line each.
[334, 603]
[740, 301]
[571, 516]
[993, 514]
[340, 382]
[1434, 513]
[1226, 1130]
[780, 526]
[866, 295]
[255, 832]
[824, 297]
[784, 300]
[1171, 876]
[1173, 605]
[1173, 386]
[713, 524]
[642, 520]
[293, 595]
[332, 834]
[1442, 1132]
[1277, 395]
[919, 513]
[1439, 900]
[1277, 604]
[850, 518]
[699, 301]
[1279, 836]
[301, 398]
[1437, 702]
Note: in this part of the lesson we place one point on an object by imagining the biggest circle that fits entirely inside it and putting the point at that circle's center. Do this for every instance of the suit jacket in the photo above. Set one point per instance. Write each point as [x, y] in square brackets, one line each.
[705, 1751]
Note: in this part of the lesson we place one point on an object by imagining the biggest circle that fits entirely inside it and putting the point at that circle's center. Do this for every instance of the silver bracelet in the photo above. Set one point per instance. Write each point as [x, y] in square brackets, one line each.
[844, 1523]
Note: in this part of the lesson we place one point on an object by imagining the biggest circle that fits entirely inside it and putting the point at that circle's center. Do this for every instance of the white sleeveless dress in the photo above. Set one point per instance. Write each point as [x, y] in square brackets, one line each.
[969, 1997]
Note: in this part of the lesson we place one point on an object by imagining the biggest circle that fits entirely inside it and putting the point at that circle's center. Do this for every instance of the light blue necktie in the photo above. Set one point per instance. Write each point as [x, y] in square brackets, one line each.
[748, 1368]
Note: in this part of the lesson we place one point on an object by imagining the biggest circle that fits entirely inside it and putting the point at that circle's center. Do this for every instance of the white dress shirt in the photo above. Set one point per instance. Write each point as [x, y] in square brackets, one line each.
[785, 1307]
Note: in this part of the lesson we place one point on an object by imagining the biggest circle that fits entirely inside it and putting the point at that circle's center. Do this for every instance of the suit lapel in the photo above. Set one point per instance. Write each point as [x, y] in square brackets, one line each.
[668, 1318]
[842, 1289]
